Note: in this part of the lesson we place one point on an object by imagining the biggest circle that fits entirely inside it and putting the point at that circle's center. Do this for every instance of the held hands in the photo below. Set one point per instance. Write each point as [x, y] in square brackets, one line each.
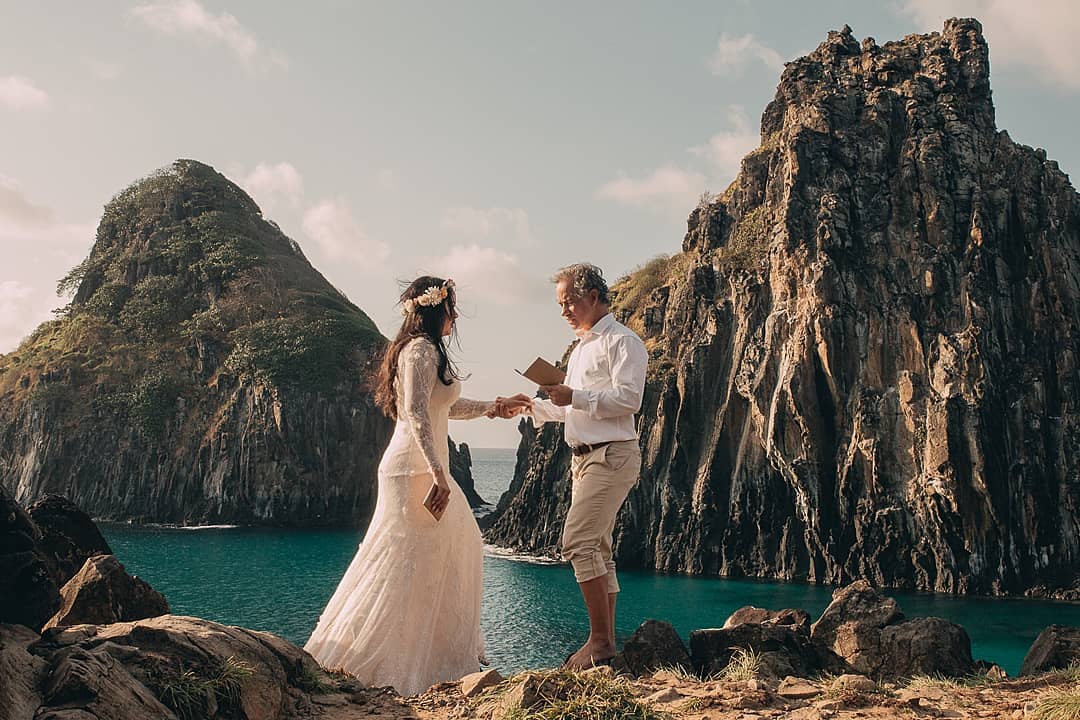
[561, 395]
[511, 406]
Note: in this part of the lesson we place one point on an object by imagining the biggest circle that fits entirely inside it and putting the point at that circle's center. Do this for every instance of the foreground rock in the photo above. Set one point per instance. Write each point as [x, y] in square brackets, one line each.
[67, 534]
[869, 632]
[104, 593]
[864, 360]
[782, 650]
[164, 667]
[1057, 647]
[751, 614]
[655, 644]
[29, 594]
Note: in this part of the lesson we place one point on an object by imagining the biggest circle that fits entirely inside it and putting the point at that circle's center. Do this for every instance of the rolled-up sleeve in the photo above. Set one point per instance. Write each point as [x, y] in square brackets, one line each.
[629, 364]
[544, 411]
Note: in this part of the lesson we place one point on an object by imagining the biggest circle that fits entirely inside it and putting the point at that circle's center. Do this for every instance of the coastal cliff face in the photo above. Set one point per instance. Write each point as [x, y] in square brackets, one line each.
[204, 372]
[864, 361]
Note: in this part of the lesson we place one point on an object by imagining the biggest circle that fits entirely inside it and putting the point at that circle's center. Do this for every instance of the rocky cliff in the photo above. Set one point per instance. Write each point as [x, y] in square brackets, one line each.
[864, 360]
[204, 372]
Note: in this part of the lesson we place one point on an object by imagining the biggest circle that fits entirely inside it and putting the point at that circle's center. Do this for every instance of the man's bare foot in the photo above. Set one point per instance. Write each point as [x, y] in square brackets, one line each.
[591, 653]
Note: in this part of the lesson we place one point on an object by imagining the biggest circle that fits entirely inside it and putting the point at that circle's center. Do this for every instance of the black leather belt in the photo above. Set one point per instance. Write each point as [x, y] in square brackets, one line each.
[580, 450]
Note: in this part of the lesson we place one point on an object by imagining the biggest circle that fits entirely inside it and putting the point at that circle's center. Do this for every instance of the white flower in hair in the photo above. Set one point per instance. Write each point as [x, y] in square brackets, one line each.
[429, 298]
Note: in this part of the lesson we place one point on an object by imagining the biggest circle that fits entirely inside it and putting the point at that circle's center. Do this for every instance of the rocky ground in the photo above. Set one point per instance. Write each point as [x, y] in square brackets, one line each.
[667, 694]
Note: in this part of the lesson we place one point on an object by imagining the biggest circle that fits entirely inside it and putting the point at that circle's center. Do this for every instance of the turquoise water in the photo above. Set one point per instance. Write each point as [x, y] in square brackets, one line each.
[279, 580]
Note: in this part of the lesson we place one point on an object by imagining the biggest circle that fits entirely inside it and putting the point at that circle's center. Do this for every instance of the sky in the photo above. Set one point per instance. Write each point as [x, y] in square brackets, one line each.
[489, 141]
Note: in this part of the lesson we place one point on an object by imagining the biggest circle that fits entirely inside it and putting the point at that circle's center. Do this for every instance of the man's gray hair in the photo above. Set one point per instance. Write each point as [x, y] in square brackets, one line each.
[583, 277]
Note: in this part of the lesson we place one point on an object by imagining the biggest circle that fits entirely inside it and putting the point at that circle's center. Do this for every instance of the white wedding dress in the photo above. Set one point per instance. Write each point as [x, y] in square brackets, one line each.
[407, 612]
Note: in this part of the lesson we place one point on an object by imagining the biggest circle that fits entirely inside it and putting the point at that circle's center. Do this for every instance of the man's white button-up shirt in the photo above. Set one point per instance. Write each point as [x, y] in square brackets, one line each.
[606, 371]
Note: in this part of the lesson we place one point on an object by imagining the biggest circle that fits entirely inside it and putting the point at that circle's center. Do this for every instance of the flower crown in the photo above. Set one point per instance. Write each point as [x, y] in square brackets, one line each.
[429, 298]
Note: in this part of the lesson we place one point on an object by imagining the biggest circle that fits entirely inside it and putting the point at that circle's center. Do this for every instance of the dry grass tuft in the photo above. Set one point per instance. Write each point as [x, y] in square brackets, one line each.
[568, 695]
[744, 665]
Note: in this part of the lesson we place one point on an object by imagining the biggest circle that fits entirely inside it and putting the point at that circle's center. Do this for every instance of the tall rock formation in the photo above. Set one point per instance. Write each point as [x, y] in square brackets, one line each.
[865, 360]
[204, 372]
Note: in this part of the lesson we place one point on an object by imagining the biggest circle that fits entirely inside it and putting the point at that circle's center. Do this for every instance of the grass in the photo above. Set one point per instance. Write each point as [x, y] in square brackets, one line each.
[185, 692]
[941, 681]
[748, 244]
[680, 672]
[631, 292]
[744, 665]
[1068, 674]
[568, 695]
[312, 680]
[1061, 704]
[693, 704]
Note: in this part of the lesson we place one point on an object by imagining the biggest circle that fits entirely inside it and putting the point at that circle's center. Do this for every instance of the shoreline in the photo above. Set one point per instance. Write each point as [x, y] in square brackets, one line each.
[516, 555]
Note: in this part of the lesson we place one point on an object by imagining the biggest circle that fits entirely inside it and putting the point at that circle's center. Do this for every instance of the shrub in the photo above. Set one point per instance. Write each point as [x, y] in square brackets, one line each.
[748, 243]
[156, 303]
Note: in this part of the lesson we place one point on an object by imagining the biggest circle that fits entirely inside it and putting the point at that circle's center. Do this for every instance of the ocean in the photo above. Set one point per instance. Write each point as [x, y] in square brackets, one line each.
[279, 580]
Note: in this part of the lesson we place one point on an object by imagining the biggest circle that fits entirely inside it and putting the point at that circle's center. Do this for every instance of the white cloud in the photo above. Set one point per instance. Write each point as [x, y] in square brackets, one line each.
[669, 188]
[269, 183]
[331, 225]
[484, 223]
[17, 212]
[1040, 36]
[726, 149]
[189, 17]
[487, 275]
[17, 302]
[732, 54]
[39, 249]
[20, 93]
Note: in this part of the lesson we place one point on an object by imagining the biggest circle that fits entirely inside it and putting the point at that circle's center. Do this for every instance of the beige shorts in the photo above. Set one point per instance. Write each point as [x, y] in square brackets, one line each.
[601, 481]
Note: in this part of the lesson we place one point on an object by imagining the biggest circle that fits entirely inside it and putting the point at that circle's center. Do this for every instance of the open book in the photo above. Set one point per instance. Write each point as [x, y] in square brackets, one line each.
[542, 372]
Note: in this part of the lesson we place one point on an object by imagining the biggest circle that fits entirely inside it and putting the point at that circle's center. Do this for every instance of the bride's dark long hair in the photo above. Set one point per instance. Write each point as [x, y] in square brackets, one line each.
[422, 321]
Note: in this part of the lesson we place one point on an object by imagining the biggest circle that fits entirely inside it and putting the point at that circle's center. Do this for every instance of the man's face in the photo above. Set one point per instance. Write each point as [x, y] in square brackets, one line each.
[579, 311]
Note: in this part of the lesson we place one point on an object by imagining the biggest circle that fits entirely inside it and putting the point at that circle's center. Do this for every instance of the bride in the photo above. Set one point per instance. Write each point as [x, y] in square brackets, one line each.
[407, 611]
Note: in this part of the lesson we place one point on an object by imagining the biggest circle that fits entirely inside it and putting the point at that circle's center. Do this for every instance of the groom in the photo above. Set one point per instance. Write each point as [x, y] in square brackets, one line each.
[604, 384]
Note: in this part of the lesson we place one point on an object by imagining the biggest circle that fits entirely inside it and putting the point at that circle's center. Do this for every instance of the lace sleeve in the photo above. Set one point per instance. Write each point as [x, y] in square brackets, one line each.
[418, 373]
[466, 409]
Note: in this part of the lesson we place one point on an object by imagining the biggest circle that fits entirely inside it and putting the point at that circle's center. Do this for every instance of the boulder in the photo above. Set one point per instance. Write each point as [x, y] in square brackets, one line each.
[102, 592]
[925, 646]
[784, 650]
[96, 683]
[67, 534]
[193, 667]
[851, 625]
[21, 673]
[1057, 647]
[653, 645]
[751, 614]
[869, 632]
[29, 594]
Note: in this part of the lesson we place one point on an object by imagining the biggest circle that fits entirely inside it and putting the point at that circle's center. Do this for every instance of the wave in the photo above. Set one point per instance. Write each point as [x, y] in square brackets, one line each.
[203, 527]
[164, 526]
[513, 555]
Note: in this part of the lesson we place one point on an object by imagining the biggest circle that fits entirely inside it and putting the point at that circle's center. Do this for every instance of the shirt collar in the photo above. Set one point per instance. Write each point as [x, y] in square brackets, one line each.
[600, 327]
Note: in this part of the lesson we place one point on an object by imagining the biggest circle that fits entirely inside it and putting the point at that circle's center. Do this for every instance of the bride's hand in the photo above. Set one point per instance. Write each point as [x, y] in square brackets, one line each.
[442, 491]
[509, 407]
